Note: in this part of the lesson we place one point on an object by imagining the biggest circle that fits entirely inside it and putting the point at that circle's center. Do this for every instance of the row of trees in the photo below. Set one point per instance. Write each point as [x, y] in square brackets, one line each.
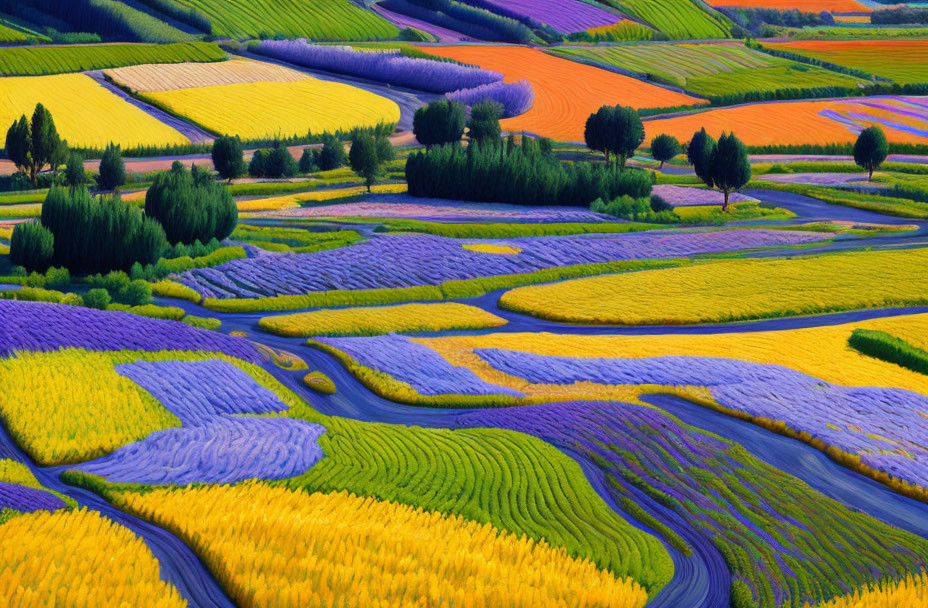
[443, 122]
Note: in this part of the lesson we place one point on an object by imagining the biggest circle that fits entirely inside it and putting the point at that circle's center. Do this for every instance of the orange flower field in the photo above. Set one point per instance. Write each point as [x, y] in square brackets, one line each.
[566, 93]
[804, 122]
[905, 61]
[808, 6]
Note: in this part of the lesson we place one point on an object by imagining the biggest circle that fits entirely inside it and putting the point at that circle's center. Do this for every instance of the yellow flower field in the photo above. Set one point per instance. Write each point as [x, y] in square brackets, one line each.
[733, 290]
[78, 559]
[86, 114]
[265, 110]
[377, 320]
[281, 548]
[821, 352]
[909, 593]
[151, 77]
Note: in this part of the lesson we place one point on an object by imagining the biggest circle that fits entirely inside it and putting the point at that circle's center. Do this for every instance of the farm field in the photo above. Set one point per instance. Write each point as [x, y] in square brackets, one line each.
[903, 61]
[710, 70]
[804, 122]
[463, 303]
[565, 92]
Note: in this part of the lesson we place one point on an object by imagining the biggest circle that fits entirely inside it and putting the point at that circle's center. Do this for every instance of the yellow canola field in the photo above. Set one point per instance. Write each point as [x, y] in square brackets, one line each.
[152, 77]
[278, 548]
[494, 249]
[267, 110]
[378, 320]
[86, 114]
[909, 593]
[733, 290]
[78, 559]
[821, 352]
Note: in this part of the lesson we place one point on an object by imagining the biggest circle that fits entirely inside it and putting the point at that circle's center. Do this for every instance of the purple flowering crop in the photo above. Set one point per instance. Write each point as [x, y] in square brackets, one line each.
[567, 16]
[26, 500]
[212, 446]
[417, 365]
[389, 67]
[882, 425]
[42, 326]
[388, 261]
[686, 196]
[516, 98]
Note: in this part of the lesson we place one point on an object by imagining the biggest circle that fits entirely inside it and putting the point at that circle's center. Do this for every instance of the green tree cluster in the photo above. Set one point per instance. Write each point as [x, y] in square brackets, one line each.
[614, 131]
[483, 125]
[367, 154]
[191, 206]
[438, 123]
[228, 157]
[34, 145]
[112, 173]
[723, 164]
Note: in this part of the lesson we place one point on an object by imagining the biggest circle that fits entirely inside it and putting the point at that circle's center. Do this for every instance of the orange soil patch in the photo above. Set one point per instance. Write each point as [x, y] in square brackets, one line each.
[808, 6]
[852, 18]
[786, 122]
[566, 93]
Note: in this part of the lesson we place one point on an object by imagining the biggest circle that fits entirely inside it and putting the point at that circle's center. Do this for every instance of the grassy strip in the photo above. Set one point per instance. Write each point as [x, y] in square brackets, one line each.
[45, 60]
[169, 289]
[297, 240]
[897, 207]
[449, 290]
[376, 321]
[220, 256]
[889, 348]
[507, 230]
[837, 166]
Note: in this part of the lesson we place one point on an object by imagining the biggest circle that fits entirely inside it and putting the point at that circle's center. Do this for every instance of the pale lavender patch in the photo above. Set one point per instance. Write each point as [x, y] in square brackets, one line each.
[200, 391]
[865, 421]
[516, 98]
[212, 446]
[389, 261]
[851, 125]
[816, 179]
[416, 365]
[685, 196]
[388, 67]
[567, 16]
[26, 500]
[890, 123]
[41, 326]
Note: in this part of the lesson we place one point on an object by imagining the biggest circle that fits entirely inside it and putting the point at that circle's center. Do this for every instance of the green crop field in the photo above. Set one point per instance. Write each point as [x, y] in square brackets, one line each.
[319, 20]
[12, 33]
[44, 60]
[710, 69]
[677, 19]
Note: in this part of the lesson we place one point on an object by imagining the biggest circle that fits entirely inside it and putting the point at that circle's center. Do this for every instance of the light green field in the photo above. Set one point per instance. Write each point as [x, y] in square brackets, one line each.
[318, 19]
[677, 19]
[707, 69]
[46, 60]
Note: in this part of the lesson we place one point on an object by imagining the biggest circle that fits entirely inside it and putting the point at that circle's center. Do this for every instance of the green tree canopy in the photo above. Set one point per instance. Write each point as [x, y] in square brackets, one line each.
[364, 158]
[871, 149]
[438, 123]
[730, 166]
[228, 157]
[614, 130]
[112, 169]
[191, 206]
[34, 145]
[699, 153]
[32, 246]
[483, 126]
[664, 147]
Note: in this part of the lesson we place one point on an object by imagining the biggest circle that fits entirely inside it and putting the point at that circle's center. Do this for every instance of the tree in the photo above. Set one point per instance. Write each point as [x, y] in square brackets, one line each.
[279, 162]
[699, 153]
[363, 158]
[664, 148]
[258, 165]
[97, 298]
[614, 130]
[190, 206]
[385, 152]
[332, 154]
[871, 149]
[438, 123]
[228, 157]
[47, 147]
[112, 169]
[484, 122]
[74, 171]
[19, 144]
[308, 162]
[729, 167]
[32, 246]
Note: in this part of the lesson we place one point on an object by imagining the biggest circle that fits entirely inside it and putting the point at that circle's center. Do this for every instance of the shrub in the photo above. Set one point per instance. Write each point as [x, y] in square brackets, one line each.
[72, 299]
[319, 382]
[440, 122]
[664, 147]
[136, 293]
[112, 281]
[97, 298]
[112, 169]
[57, 278]
[99, 234]
[191, 206]
[659, 205]
[882, 345]
[228, 158]
[32, 246]
[624, 206]
[741, 596]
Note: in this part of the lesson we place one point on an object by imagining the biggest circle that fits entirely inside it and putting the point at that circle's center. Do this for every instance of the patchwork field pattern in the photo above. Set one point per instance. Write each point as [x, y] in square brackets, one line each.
[707, 69]
[70, 97]
[566, 93]
[677, 19]
[339, 544]
[904, 119]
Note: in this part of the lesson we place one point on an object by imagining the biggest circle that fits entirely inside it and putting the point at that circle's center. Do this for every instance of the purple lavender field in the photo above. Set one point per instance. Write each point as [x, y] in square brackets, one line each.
[388, 261]
[26, 500]
[565, 16]
[217, 443]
